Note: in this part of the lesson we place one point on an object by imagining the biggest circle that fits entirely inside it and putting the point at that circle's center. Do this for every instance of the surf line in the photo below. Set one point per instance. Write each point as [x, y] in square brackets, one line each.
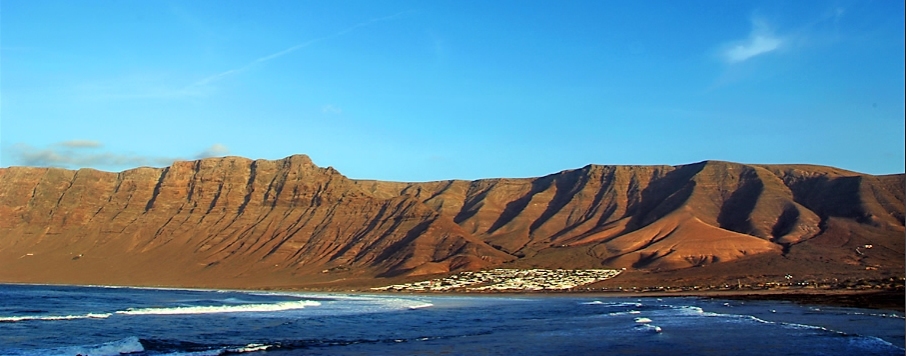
[172, 311]
[12, 319]
[221, 309]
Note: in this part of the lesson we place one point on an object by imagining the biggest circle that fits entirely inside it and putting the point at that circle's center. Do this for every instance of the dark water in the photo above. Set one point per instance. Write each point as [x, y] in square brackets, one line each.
[54, 320]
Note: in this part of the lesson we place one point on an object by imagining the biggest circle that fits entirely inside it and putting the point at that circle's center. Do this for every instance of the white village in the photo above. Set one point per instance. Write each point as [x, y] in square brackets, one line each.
[502, 279]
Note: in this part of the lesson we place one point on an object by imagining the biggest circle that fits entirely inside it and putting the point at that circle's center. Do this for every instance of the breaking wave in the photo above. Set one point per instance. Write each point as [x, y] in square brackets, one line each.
[207, 309]
[128, 345]
[270, 307]
[12, 319]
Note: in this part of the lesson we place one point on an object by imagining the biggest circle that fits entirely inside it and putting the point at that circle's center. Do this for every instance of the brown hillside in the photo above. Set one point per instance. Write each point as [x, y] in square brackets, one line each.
[234, 222]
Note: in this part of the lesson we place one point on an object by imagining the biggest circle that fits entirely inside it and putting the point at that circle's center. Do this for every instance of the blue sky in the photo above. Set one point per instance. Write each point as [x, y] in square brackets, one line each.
[430, 90]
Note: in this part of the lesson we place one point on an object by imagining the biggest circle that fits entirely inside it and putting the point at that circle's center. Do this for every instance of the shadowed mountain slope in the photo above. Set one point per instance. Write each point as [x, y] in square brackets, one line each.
[237, 222]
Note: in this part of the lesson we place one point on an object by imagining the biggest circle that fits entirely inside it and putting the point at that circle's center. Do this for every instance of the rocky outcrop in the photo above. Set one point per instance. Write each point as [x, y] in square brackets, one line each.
[289, 222]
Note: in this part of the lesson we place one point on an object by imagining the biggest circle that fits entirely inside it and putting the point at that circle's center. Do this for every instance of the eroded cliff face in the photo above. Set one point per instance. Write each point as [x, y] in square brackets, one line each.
[289, 222]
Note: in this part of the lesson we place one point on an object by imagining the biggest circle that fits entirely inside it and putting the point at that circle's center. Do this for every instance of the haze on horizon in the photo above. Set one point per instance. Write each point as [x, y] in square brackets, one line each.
[418, 91]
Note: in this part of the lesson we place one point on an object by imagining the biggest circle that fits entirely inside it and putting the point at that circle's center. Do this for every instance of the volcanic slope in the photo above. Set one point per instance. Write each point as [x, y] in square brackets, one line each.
[234, 222]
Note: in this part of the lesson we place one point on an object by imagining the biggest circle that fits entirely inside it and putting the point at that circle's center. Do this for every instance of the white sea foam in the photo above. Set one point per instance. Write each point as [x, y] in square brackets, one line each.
[752, 318]
[631, 312]
[128, 345]
[693, 310]
[642, 320]
[312, 295]
[13, 319]
[649, 327]
[872, 342]
[213, 309]
[688, 310]
[613, 304]
[882, 315]
[804, 326]
[251, 348]
[224, 351]
[197, 353]
[360, 303]
[397, 303]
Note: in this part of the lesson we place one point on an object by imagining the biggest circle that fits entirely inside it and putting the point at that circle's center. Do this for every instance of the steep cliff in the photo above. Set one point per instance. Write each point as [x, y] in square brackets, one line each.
[233, 221]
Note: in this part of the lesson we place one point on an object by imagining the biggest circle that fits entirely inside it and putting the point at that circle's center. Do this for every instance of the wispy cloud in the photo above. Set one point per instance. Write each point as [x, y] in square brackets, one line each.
[216, 150]
[80, 144]
[87, 153]
[216, 77]
[331, 110]
[760, 41]
[150, 86]
[78, 154]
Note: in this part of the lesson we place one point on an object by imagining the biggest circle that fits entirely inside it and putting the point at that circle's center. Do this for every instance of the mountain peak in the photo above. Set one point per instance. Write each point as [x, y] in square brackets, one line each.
[262, 223]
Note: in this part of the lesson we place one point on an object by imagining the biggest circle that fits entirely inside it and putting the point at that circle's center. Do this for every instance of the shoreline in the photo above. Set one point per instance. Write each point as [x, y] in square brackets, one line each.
[877, 300]
[886, 299]
[892, 300]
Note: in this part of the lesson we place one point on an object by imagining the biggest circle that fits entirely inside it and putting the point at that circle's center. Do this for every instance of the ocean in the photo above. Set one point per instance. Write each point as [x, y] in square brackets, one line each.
[97, 321]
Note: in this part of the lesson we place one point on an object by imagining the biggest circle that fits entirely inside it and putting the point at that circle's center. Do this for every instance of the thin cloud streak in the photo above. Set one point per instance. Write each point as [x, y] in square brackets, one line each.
[760, 41]
[80, 144]
[76, 154]
[130, 89]
[755, 46]
[331, 110]
[67, 157]
[216, 150]
[275, 55]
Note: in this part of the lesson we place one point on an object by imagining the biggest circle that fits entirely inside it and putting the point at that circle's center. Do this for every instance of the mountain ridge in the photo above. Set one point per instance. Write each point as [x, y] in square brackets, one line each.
[233, 221]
